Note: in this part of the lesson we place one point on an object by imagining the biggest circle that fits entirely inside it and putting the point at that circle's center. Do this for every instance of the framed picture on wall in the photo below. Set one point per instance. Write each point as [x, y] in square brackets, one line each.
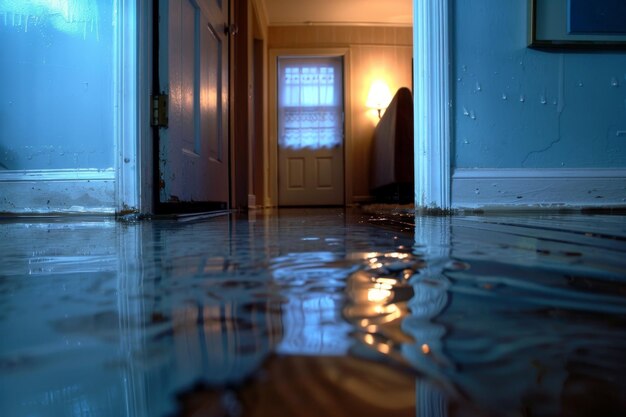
[577, 24]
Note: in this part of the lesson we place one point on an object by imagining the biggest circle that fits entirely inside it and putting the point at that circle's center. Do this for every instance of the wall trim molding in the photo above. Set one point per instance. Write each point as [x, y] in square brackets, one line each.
[538, 188]
[431, 104]
[57, 175]
[85, 191]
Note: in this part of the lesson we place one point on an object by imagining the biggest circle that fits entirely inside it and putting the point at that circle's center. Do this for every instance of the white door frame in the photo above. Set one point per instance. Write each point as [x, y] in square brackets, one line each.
[432, 105]
[130, 100]
[134, 141]
[273, 119]
[431, 114]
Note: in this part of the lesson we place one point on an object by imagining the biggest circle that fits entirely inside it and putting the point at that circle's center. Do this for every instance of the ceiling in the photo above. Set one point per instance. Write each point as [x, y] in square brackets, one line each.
[339, 12]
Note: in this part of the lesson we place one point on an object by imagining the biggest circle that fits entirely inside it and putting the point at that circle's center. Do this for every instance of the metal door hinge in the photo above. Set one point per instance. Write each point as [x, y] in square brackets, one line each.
[160, 116]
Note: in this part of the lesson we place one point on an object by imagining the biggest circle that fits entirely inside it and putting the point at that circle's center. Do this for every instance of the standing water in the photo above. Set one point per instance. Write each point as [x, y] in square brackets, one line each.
[314, 312]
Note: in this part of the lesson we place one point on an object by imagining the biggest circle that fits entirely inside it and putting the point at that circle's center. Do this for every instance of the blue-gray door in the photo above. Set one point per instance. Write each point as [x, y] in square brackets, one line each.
[193, 72]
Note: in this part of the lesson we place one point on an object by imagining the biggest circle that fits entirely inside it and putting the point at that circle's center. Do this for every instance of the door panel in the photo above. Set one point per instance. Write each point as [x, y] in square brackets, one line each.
[310, 126]
[324, 173]
[295, 173]
[311, 177]
[193, 71]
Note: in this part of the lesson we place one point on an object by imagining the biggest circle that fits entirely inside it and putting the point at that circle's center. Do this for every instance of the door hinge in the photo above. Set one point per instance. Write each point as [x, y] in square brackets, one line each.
[160, 117]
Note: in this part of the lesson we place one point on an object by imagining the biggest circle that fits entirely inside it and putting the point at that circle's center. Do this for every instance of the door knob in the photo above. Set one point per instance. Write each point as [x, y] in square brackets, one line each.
[231, 29]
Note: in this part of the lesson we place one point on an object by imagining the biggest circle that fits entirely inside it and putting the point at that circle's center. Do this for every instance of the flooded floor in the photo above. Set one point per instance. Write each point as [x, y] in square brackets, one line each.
[322, 312]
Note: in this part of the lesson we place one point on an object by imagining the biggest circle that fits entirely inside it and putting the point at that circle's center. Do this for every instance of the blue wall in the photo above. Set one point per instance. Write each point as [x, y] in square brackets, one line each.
[56, 84]
[514, 107]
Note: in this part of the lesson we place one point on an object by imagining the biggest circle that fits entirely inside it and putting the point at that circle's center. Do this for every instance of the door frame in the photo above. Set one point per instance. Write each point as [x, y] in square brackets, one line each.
[431, 51]
[133, 56]
[431, 77]
[273, 115]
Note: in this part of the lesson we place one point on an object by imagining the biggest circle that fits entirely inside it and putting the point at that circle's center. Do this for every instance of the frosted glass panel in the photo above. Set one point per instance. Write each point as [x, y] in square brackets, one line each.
[310, 102]
[56, 84]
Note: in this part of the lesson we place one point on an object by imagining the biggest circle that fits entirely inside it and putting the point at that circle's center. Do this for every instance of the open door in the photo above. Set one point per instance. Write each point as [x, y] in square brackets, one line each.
[192, 72]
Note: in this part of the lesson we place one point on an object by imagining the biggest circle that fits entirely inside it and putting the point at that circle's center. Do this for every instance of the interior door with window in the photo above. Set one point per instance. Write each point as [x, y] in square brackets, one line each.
[310, 131]
[193, 73]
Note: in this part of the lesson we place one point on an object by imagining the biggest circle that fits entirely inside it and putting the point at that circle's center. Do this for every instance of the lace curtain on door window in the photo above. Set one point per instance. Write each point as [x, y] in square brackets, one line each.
[310, 106]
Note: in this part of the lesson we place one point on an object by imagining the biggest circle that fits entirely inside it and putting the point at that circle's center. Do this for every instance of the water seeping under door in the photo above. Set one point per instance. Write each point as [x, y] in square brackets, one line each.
[193, 168]
[310, 131]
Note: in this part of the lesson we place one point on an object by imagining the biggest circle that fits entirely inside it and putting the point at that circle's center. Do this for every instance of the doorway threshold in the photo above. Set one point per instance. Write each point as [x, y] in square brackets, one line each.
[187, 217]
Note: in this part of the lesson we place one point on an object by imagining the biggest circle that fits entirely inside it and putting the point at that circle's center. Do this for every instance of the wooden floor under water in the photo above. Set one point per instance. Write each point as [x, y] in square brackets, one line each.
[311, 312]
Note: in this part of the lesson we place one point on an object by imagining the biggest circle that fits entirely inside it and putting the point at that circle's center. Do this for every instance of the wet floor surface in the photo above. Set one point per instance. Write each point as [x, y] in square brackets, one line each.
[314, 312]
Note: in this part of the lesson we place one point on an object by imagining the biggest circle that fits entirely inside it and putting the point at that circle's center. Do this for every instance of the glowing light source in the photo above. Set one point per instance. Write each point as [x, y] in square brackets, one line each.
[379, 96]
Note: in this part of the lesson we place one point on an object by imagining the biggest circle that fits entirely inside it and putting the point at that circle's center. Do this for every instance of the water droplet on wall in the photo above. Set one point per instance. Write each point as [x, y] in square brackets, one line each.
[614, 82]
[472, 115]
[465, 141]
[581, 84]
[522, 98]
[504, 97]
[478, 87]
[465, 112]
[543, 100]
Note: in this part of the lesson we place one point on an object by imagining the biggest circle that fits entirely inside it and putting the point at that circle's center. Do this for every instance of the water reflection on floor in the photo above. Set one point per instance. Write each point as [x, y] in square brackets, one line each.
[314, 312]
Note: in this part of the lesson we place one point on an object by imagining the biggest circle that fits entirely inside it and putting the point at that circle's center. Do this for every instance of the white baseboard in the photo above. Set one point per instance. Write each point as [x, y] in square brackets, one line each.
[538, 188]
[57, 191]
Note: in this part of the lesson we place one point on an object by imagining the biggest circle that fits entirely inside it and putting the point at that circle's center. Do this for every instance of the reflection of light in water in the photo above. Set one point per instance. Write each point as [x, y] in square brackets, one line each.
[74, 17]
[377, 305]
[312, 326]
[377, 294]
[381, 290]
[374, 256]
[311, 319]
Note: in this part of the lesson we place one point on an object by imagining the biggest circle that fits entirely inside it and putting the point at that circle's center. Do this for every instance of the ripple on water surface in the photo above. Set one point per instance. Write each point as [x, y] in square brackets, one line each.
[315, 315]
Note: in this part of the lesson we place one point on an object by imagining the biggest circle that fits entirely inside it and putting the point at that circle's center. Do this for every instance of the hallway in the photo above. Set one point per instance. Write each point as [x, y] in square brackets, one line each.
[314, 312]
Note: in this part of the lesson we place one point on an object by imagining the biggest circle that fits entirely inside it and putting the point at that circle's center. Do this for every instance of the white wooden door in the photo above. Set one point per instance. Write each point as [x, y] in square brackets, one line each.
[193, 72]
[310, 131]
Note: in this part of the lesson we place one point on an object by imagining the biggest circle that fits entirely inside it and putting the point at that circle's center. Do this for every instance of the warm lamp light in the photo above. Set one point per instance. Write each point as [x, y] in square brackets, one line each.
[379, 96]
